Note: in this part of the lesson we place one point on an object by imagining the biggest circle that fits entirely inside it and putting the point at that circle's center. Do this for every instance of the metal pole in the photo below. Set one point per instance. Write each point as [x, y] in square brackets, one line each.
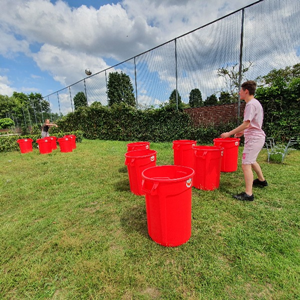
[58, 103]
[176, 75]
[241, 64]
[106, 87]
[85, 92]
[135, 78]
[71, 98]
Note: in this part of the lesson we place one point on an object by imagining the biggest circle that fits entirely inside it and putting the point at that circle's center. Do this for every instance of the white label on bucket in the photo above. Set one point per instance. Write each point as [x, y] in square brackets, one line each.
[147, 146]
[193, 145]
[189, 183]
[222, 153]
[152, 158]
[236, 143]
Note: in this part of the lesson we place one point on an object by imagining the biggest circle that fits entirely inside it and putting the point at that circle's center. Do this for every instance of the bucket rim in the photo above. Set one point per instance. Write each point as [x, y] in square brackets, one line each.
[227, 139]
[160, 179]
[208, 148]
[138, 143]
[184, 142]
[130, 154]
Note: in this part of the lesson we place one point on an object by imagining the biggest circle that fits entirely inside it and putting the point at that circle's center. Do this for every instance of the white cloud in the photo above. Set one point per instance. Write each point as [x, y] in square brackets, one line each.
[5, 86]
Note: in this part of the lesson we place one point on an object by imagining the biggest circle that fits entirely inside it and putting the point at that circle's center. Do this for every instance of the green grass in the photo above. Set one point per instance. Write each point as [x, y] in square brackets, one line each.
[71, 229]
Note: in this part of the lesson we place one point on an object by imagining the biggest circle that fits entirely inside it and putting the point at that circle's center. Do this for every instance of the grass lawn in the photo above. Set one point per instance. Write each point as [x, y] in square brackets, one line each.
[71, 229]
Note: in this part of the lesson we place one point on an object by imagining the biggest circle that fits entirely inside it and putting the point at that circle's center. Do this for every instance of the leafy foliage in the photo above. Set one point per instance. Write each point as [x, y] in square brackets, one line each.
[6, 123]
[120, 89]
[195, 98]
[80, 100]
[126, 123]
[211, 100]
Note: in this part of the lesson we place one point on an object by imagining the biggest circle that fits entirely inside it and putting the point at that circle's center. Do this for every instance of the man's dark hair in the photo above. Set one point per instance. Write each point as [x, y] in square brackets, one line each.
[249, 85]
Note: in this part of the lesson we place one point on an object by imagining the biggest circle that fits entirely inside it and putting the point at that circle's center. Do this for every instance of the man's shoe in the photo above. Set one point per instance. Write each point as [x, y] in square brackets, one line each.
[243, 197]
[258, 183]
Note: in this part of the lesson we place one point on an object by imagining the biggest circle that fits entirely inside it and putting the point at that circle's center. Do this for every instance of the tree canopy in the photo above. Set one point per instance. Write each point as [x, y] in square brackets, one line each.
[120, 89]
[195, 98]
[80, 100]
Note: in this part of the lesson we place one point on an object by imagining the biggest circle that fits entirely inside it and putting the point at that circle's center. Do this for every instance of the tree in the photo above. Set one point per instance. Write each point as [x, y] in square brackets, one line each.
[195, 98]
[120, 89]
[80, 100]
[225, 98]
[211, 100]
[173, 101]
[232, 76]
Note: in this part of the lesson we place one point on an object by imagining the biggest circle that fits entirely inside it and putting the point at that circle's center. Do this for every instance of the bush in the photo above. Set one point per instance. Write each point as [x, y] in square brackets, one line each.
[6, 123]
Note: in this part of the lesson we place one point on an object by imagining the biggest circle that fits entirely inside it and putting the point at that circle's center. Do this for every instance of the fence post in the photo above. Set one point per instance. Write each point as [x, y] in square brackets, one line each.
[176, 74]
[136, 94]
[58, 103]
[241, 64]
[71, 98]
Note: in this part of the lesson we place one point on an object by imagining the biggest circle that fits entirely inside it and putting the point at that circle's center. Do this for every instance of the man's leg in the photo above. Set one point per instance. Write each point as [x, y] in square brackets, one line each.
[258, 171]
[248, 175]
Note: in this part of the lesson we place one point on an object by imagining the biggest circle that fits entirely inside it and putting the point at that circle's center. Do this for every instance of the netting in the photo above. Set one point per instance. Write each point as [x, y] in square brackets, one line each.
[271, 40]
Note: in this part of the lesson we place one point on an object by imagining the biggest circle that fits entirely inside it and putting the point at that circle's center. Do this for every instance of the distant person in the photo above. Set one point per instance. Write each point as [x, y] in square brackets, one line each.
[251, 128]
[46, 126]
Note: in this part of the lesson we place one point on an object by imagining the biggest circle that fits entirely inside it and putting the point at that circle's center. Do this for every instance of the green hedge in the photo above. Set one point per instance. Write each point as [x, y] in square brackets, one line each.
[9, 143]
[125, 123]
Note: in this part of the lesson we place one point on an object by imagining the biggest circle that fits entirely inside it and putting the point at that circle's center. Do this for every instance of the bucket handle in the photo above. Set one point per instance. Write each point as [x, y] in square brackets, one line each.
[200, 156]
[129, 161]
[153, 189]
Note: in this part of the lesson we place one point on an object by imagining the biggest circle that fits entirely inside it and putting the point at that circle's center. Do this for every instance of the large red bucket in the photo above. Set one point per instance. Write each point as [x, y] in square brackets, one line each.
[45, 145]
[53, 142]
[65, 144]
[73, 140]
[207, 167]
[230, 154]
[184, 153]
[138, 146]
[168, 192]
[25, 145]
[136, 162]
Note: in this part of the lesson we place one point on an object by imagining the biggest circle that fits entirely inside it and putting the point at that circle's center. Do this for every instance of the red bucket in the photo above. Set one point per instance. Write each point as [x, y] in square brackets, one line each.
[230, 154]
[136, 162]
[138, 146]
[25, 145]
[207, 167]
[184, 153]
[65, 144]
[45, 145]
[73, 140]
[53, 142]
[169, 203]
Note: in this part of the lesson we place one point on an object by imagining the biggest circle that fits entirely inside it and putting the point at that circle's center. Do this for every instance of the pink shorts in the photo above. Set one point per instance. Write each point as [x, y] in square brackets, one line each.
[251, 149]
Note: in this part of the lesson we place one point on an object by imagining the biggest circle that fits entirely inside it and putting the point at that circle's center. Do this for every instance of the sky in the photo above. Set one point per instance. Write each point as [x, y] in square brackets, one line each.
[47, 45]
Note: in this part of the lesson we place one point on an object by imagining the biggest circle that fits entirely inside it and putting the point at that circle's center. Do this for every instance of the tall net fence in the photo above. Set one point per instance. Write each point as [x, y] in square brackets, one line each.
[262, 36]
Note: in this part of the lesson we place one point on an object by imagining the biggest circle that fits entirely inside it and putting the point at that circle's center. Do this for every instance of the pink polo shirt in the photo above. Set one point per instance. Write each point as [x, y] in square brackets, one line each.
[255, 114]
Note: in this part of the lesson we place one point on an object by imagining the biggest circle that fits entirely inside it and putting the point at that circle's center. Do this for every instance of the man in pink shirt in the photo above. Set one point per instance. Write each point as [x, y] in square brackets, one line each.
[254, 140]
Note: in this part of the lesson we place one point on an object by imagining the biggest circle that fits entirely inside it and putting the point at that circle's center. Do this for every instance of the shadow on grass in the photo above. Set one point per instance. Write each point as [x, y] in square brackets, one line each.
[123, 169]
[135, 219]
[122, 186]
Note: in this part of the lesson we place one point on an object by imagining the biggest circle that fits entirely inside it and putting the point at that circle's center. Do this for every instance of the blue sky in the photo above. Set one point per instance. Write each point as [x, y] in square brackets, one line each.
[46, 45]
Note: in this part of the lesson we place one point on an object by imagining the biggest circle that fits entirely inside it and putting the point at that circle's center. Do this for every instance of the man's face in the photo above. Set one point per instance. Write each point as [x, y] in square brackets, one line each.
[243, 94]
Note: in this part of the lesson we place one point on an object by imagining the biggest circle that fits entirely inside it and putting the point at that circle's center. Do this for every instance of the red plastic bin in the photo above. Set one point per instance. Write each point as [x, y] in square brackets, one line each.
[73, 140]
[45, 145]
[184, 153]
[168, 192]
[136, 162]
[207, 167]
[25, 145]
[230, 154]
[138, 146]
[53, 142]
[65, 144]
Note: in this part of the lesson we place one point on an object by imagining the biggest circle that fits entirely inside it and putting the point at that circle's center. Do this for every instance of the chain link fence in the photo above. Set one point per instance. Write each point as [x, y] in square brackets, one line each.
[264, 35]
